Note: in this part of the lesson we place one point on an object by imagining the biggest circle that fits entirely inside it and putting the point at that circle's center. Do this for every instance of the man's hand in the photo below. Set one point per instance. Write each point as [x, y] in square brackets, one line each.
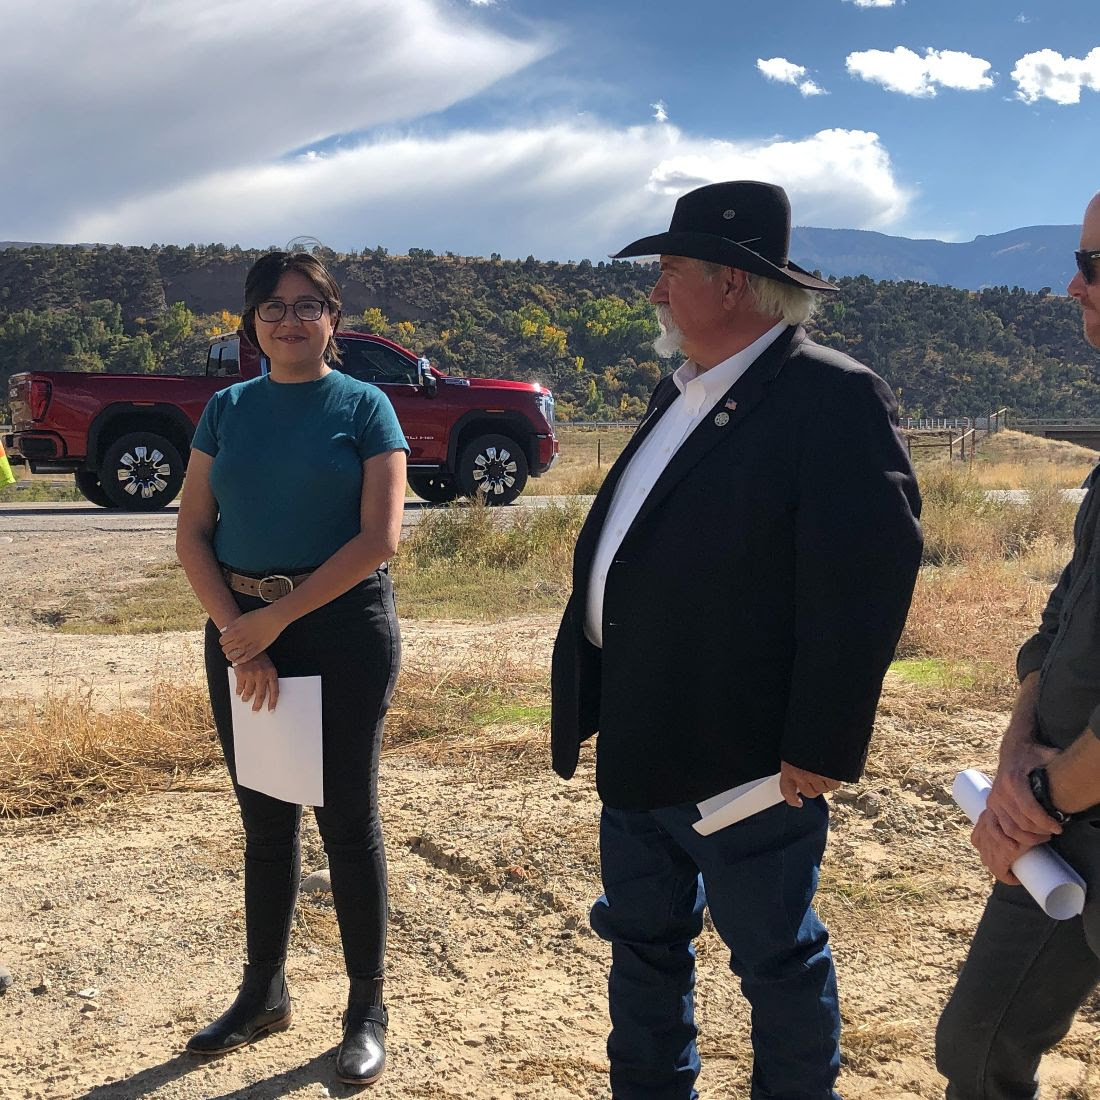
[998, 849]
[794, 781]
[1018, 815]
[257, 680]
[249, 635]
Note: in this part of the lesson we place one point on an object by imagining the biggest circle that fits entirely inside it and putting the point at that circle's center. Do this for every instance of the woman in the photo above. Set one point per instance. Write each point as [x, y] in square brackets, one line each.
[299, 477]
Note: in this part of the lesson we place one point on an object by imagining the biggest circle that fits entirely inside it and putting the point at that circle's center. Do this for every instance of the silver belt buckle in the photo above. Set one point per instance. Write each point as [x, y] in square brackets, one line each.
[284, 587]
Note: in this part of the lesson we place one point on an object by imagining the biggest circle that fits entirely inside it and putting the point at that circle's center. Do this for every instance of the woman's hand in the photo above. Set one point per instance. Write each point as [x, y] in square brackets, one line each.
[257, 680]
[247, 636]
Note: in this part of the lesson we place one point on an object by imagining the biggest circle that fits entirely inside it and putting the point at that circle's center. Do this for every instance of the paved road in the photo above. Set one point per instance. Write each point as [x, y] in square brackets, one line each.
[1020, 495]
[46, 518]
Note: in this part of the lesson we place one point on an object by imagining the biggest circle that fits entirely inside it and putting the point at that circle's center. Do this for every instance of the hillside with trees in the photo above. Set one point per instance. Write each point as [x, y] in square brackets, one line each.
[583, 329]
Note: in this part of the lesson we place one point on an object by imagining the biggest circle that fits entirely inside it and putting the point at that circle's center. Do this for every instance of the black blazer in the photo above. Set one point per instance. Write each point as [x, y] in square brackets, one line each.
[756, 600]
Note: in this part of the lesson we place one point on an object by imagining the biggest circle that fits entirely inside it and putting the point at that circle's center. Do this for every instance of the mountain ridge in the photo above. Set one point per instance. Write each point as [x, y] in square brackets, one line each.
[1030, 257]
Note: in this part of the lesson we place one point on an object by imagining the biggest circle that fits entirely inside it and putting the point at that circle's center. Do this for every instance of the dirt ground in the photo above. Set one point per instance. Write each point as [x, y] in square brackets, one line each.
[122, 923]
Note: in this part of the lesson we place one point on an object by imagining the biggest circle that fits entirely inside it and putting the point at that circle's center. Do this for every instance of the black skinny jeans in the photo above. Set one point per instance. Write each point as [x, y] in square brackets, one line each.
[354, 644]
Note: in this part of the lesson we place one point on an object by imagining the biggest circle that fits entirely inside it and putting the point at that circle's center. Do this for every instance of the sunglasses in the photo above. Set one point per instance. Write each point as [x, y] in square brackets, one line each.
[1088, 263]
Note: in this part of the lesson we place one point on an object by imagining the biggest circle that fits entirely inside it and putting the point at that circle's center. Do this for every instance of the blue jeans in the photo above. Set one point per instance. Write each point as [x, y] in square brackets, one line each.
[758, 877]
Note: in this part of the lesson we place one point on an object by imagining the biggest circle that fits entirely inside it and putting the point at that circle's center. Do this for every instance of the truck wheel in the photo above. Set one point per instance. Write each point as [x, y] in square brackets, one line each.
[141, 472]
[492, 468]
[87, 482]
[434, 488]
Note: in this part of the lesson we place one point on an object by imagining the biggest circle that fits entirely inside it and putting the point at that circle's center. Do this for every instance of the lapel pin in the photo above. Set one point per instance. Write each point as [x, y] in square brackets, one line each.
[722, 419]
[731, 405]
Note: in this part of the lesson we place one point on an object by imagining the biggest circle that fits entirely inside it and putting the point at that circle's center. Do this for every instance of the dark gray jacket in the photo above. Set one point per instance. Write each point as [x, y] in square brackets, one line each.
[1066, 648]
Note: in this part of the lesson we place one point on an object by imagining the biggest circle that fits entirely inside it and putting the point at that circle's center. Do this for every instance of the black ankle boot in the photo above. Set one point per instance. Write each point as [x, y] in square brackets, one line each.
[361, 1056]
[262, 1005]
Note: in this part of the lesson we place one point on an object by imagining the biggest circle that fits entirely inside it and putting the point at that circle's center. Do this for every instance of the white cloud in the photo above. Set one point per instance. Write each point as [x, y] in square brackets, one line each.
[660, 111]
[873, 3]
[1046, 74]
[903, 70]
[779, 68]
[787, 72]
[196, 120]
[566, 191]
[1021, 18]
[114, 98]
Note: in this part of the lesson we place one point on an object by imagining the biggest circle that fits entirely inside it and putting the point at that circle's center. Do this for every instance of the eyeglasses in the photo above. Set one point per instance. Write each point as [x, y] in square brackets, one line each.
[306, 309]
[1088, 263]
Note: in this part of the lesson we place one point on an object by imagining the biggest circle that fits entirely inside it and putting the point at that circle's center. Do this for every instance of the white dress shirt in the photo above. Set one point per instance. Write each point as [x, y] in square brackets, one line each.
[699, 393]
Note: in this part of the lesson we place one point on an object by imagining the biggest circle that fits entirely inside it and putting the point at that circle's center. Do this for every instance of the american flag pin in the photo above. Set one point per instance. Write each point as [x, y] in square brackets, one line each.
[731, 405]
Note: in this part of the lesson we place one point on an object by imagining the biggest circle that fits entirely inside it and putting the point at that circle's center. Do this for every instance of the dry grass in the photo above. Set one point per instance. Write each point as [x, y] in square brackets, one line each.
[30, 489]
[586, 456]
[1018, 475]
[961, 525]
[471, 562]
[1010, 460]
[447, 713]
[160, 600]
[65, 750]
[989, 567]
[965, 625]
[1009, 450]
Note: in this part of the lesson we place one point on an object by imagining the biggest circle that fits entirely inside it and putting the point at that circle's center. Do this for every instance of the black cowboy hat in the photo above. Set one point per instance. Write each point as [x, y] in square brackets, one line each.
[742, 224]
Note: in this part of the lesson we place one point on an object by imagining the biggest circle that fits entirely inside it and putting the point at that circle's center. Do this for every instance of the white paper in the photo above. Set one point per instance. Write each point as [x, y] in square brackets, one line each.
[1047, 877]
[736, 804]
[278, 752]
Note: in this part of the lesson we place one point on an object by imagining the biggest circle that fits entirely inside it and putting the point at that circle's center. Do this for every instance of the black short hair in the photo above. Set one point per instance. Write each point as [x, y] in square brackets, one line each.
[263, 277]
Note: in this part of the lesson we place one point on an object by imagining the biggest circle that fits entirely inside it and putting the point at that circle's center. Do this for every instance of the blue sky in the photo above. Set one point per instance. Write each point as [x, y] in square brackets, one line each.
[558, 129]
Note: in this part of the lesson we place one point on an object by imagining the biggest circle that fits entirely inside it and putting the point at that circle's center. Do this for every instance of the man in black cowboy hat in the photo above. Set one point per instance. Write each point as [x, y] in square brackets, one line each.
[738, 591]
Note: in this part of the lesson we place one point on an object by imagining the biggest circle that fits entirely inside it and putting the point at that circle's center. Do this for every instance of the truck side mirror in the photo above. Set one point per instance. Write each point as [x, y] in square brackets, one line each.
[427, 379]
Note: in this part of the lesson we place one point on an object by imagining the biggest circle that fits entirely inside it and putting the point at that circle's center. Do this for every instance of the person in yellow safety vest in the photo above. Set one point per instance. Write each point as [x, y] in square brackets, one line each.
[6, 476]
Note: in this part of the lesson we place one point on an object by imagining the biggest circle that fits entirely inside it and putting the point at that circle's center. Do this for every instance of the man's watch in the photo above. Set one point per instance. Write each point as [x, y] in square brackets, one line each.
[1040, 790]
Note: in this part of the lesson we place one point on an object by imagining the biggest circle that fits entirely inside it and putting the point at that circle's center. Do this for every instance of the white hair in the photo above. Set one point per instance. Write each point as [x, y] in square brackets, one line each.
[794, 304]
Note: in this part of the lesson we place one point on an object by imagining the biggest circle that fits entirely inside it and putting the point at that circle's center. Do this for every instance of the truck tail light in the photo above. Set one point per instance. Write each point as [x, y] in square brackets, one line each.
[39, 398]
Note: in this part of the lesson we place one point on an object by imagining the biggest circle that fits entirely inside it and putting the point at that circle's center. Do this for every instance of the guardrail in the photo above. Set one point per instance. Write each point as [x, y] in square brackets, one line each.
[993, 422]
[595, 425]
[974, 428]
[1085, 423]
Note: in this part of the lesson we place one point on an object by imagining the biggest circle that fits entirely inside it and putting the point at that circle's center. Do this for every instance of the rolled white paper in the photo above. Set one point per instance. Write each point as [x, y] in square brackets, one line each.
[736, 804]
[1043, 873]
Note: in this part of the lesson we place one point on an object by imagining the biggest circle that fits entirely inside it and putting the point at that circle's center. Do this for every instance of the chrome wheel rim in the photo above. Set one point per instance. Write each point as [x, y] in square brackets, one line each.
[143, 472]
[494, 471]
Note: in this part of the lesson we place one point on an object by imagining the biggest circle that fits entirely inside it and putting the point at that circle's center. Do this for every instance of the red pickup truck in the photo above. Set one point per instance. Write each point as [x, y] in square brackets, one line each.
[126, 438]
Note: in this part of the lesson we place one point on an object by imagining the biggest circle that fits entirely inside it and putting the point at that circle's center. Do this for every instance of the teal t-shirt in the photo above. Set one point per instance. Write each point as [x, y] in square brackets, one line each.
[288, 467]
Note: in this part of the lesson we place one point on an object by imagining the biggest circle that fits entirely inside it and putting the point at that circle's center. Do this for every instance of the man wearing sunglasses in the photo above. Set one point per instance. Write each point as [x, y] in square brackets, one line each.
[1085, 286]
[1027, 975]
